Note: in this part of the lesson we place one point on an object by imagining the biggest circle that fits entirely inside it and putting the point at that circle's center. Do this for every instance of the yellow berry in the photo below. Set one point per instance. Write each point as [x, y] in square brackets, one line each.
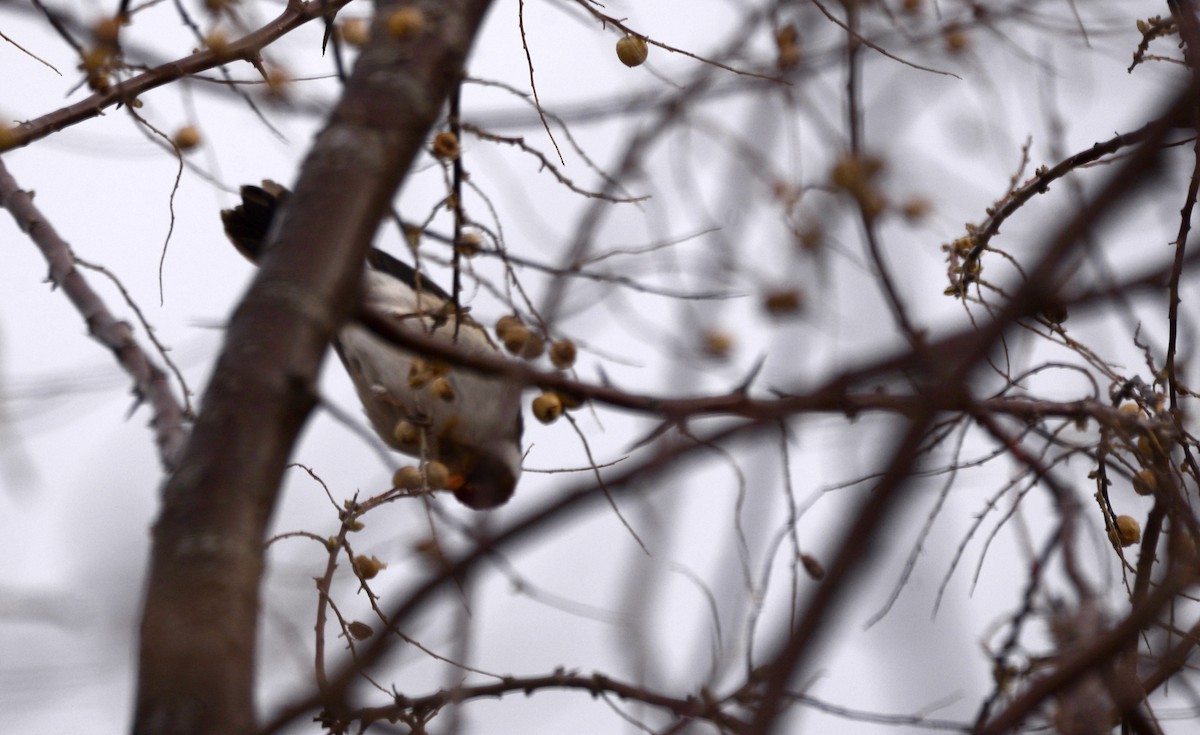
[956, 39]
[406, 433]
[277, 81]
[429, 551]
[406, 22]
[368, 567]
[217, 42]
[916, 209]
[1145, 482]
[356, 32]
[1127, 532]
[562, 354]
[783, 301]
[1130, 409]
[632, 50]
[438, 475]
[442, 389]
[547, 407]
[420, 373]
[515, 338]
[445, 146]
[717, 343]
[1143, 446]
[534, 347]
[408, 478]
[187, 138]
[107, 30]
[789, 51]
[506, 323]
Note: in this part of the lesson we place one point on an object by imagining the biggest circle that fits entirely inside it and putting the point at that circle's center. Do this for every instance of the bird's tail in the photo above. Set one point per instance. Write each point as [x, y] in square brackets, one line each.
[248, 223]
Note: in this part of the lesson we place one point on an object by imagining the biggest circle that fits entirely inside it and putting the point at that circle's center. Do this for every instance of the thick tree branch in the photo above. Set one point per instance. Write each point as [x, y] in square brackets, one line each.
[200, 619]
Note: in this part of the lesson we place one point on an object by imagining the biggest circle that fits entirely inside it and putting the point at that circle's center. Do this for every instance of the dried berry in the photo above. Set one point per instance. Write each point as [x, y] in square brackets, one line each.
[632, 50]
[547, 407]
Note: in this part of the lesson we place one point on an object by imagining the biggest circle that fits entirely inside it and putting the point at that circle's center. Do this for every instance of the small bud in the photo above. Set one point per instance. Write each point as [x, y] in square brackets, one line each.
[187, 138]
[445, 146]
[632, 50]
[359, 631]
[367, 568]
[547, 407]
[406, 22]
[562, 354]
[408, 477]
[1127, 531]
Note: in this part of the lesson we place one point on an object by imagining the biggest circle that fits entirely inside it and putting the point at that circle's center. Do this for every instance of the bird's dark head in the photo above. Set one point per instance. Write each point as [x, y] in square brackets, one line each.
[490, 481]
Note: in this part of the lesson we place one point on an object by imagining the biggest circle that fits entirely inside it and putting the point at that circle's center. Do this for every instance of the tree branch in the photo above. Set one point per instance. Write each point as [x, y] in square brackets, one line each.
[149, 380]
[199, 624]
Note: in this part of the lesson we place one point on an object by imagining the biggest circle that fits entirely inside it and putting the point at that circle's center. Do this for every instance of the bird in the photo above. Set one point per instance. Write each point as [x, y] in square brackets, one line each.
[468, 421]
